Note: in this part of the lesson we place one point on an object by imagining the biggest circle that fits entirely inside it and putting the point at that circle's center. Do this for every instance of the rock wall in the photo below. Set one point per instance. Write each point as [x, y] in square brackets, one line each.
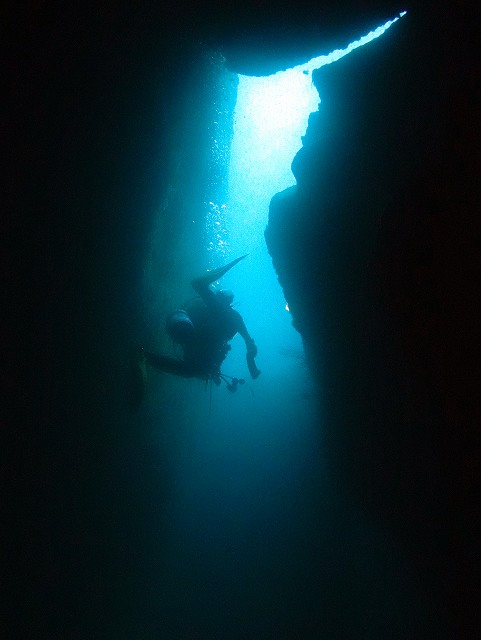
[375, 248]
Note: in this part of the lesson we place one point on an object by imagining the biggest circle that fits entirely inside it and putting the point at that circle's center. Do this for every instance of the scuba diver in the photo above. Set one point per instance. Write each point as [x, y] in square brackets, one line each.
[203, 329]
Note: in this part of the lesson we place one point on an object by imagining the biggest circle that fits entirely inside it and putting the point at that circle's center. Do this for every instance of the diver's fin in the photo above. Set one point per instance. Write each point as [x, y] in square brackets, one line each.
[215, 274]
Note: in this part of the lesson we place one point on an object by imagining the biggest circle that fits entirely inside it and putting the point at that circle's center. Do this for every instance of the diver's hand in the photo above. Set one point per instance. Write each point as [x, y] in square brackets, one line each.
[255, 374]
[253, 370]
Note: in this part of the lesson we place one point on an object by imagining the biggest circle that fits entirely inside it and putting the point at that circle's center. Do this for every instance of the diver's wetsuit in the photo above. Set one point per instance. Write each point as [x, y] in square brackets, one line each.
[215, 323]
[224, 321]
[218, 326]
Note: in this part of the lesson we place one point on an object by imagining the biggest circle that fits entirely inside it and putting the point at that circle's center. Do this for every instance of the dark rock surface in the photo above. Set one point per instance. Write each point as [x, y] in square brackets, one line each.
[377, 251]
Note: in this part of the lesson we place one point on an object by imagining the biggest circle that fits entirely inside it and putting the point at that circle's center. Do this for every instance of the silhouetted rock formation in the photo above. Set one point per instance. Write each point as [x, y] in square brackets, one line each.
[377, 251]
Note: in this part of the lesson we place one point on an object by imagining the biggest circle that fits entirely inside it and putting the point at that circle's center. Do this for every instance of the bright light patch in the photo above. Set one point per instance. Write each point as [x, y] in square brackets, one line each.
[270, 118]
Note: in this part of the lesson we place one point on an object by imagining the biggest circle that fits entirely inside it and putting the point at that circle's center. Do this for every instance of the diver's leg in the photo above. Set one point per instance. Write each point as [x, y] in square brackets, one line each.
[165, 364]
[202, 283]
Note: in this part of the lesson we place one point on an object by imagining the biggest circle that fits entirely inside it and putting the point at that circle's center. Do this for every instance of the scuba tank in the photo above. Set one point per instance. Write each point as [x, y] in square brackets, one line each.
[179, 326]
[183, 323]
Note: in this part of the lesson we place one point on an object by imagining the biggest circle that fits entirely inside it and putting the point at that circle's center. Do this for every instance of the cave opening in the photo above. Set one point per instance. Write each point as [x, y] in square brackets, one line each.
[249, 470]
[259, 126]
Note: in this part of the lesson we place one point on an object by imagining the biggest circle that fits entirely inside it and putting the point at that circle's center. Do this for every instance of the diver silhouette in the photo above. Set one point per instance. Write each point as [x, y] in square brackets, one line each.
[203, 328]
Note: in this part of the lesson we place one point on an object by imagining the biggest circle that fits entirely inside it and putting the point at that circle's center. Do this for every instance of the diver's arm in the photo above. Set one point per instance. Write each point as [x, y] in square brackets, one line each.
[251, 348]
[242, 330]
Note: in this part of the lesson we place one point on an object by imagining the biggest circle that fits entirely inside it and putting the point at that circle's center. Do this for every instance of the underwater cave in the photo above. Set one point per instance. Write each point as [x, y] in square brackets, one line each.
[333, 496]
